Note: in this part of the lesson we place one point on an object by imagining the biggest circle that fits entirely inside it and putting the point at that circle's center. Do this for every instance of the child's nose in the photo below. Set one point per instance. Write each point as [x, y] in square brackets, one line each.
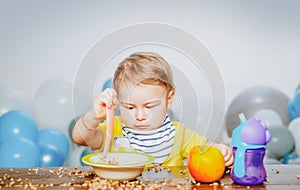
[141, 115]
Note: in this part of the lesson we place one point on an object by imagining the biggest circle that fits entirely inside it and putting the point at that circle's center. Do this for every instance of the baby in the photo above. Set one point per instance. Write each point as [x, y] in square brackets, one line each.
[144, 89]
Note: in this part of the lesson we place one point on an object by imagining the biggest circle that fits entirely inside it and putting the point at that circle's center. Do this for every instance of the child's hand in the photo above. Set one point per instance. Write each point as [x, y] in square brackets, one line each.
[108, 98]
[227, 154]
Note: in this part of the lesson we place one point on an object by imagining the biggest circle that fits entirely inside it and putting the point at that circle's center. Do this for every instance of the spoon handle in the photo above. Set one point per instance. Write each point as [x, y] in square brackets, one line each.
[109, 130]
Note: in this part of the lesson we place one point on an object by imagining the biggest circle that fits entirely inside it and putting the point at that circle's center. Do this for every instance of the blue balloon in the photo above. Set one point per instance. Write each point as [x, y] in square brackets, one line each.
[50, 156]
[289, 158]
[292, 113]
[298, 88]
[85, 152]
[17, 123]
[296, 101]
[19, 153]
[55, 138]
[108, 84]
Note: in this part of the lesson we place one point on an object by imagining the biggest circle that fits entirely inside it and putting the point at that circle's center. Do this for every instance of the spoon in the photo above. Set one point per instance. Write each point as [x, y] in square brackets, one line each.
[109, 132]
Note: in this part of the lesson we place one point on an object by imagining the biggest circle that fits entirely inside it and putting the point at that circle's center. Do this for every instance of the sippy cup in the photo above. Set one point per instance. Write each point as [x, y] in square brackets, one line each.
[249, 141]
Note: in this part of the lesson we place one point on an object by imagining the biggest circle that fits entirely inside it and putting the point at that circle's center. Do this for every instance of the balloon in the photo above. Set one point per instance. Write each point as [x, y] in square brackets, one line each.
[294, 161]
[50, 156]
[253, 100]
[294, 105]
[53, 105]
[296, 101]
[86, 151]
[298, 88]
[12, 99]
[55, 138]
[17, 123]
[71, 127]
[289, 158]
[294, 127]
[269, 117]
[292, 113]
[282, 141]
[271, 155]
[108, 84]
[74, 158]
[271, 161]
[19, 152]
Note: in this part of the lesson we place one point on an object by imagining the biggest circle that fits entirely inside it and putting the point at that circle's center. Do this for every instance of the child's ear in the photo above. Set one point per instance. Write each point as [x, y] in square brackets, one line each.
[170, 97]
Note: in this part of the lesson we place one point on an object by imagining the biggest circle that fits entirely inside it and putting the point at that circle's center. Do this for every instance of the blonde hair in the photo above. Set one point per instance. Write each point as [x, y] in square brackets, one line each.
[144, 68]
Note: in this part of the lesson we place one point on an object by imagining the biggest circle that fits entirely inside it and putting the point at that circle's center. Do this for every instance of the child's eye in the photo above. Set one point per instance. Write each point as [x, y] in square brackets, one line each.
[150, 106]
[130, 107]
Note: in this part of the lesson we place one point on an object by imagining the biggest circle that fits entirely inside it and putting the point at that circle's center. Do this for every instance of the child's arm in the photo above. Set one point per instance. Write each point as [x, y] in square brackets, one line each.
[86, 131]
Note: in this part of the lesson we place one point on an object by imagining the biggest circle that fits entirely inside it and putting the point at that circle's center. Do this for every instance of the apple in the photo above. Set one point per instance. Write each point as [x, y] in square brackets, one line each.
[206, 163]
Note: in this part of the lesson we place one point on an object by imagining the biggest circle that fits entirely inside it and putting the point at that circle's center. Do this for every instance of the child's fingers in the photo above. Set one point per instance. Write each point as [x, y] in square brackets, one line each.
[113, 96]
[109, 98]
[229, 162]
[98, 108]
[228, 157]
[110, 91]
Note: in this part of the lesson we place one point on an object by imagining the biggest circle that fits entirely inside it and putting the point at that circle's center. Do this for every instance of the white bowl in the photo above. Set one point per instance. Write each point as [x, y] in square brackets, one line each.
[129, 164]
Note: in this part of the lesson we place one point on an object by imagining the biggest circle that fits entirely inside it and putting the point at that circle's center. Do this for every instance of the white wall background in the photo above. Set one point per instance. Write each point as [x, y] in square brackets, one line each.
[253, 42]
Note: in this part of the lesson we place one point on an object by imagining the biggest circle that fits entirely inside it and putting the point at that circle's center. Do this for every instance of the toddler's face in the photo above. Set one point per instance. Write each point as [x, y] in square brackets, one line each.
[143, 107]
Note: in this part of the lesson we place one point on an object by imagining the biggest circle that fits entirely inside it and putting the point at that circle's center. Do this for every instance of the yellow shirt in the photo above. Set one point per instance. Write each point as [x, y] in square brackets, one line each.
[184, 140]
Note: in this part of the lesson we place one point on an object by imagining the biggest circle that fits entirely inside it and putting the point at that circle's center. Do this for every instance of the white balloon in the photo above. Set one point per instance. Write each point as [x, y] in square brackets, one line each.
[11, 99]
[53, 105]
[253, 99]
[268, 160]
[269, 117]
[294, 127]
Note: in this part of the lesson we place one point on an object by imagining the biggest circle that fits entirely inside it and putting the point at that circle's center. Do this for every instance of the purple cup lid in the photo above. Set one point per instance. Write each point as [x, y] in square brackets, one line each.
[255, 132]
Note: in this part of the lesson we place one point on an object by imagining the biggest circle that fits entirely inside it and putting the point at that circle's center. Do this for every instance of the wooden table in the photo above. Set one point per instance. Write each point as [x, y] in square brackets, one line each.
[281, 177]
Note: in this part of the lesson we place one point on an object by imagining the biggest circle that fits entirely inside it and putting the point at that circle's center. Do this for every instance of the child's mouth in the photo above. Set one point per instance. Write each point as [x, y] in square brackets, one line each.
[141, 127]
